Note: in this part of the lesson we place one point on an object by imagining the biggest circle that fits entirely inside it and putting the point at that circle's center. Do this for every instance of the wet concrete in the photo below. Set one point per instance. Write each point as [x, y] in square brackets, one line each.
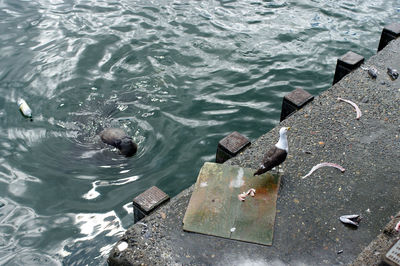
[307, 228]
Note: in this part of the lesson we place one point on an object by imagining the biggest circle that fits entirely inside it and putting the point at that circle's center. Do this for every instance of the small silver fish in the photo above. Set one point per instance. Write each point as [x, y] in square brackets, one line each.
[392, 73]
[372, 72]
[353, 219]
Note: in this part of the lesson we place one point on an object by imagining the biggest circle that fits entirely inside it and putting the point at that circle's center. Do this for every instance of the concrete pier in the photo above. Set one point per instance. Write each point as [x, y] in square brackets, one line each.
[307, 226]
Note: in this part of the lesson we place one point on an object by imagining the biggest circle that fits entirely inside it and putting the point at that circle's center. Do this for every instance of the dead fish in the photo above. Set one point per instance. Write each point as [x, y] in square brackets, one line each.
[353, 219]
[392, 73]
[323, 165]
[372, 72]
[243, 195]
[358, 111]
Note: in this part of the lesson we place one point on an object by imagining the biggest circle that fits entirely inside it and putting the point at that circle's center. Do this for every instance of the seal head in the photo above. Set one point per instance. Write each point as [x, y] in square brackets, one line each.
[126, 146]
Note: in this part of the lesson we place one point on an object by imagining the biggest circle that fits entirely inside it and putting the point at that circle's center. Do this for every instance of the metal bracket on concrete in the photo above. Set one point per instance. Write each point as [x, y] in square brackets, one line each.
[230, 146]
[389, 33]
[392, 257]
[147, 202]
[294, 101]
[345, 64]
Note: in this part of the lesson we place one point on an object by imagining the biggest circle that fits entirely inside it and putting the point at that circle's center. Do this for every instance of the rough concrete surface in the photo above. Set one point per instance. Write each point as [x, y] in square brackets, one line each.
[307, 228]
[373, 253]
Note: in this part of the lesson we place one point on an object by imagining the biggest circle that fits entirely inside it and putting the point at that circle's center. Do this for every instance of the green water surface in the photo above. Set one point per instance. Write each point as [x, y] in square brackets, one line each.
[178, 76]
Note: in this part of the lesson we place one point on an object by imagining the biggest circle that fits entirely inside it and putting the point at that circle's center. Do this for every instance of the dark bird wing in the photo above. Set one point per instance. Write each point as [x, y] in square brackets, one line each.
[271, 159]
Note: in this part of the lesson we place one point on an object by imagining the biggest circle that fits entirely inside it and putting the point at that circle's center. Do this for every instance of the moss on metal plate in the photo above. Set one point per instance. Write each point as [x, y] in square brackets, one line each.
[214, 208]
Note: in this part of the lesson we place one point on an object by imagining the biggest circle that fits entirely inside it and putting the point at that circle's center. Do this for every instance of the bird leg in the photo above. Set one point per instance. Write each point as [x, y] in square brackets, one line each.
[277, 169]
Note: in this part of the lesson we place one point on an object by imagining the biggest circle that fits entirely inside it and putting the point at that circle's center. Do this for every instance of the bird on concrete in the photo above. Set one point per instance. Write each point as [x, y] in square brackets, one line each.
[276, 155]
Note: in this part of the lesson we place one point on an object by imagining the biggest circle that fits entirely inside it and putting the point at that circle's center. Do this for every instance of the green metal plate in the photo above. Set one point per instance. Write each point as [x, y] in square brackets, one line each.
[214, 208]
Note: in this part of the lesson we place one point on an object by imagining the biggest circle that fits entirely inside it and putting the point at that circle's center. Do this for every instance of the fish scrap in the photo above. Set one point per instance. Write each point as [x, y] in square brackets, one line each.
[352, 219]
[358, 111]
[372, 71]
[243, 195]
[324, 165]
[397, 227]
[392, 73]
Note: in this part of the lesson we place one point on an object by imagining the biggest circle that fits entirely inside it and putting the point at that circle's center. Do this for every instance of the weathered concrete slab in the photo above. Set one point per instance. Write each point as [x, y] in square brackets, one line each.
[307, 228]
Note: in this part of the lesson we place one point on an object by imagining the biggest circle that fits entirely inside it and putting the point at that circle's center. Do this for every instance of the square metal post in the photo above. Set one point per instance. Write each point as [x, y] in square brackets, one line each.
[389, 33]
[230, 146]
[147, 202]
[294, 101]
[347, 63]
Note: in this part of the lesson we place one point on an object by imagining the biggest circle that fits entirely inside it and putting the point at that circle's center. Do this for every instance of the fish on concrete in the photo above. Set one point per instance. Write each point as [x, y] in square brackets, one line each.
[372, 71]
[352, 219]
[392, 73]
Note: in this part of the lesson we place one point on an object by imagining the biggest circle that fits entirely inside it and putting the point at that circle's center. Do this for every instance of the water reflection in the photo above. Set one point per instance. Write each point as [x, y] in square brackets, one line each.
[92, 194]
[176, 76]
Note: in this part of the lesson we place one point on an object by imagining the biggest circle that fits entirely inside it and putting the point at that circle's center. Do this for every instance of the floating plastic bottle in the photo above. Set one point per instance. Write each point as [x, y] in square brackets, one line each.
[24, 108]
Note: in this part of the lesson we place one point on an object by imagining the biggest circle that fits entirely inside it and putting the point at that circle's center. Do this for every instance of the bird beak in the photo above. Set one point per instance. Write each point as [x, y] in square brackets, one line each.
[288, 128]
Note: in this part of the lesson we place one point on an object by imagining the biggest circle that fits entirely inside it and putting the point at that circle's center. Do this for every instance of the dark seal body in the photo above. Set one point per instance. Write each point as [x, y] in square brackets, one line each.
[118, 138]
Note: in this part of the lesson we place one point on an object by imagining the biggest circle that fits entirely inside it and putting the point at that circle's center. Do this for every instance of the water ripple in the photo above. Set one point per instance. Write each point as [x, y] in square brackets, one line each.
[177, 76]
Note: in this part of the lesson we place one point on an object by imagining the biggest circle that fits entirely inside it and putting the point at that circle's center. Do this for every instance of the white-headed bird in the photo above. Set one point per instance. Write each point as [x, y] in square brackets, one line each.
[277, 154]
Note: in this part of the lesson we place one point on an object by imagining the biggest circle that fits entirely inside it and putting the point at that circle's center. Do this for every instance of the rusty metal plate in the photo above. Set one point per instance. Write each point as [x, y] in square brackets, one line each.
[214, 208]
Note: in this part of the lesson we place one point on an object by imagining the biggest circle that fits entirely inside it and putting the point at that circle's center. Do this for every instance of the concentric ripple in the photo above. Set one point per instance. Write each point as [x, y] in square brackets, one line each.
[177, 76]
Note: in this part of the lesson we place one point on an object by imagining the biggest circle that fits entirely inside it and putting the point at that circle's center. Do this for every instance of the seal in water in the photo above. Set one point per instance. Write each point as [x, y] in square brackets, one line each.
[118, 138]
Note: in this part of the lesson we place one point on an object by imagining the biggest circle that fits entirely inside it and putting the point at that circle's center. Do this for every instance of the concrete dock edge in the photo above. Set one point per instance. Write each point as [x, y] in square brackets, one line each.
[307, 228]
